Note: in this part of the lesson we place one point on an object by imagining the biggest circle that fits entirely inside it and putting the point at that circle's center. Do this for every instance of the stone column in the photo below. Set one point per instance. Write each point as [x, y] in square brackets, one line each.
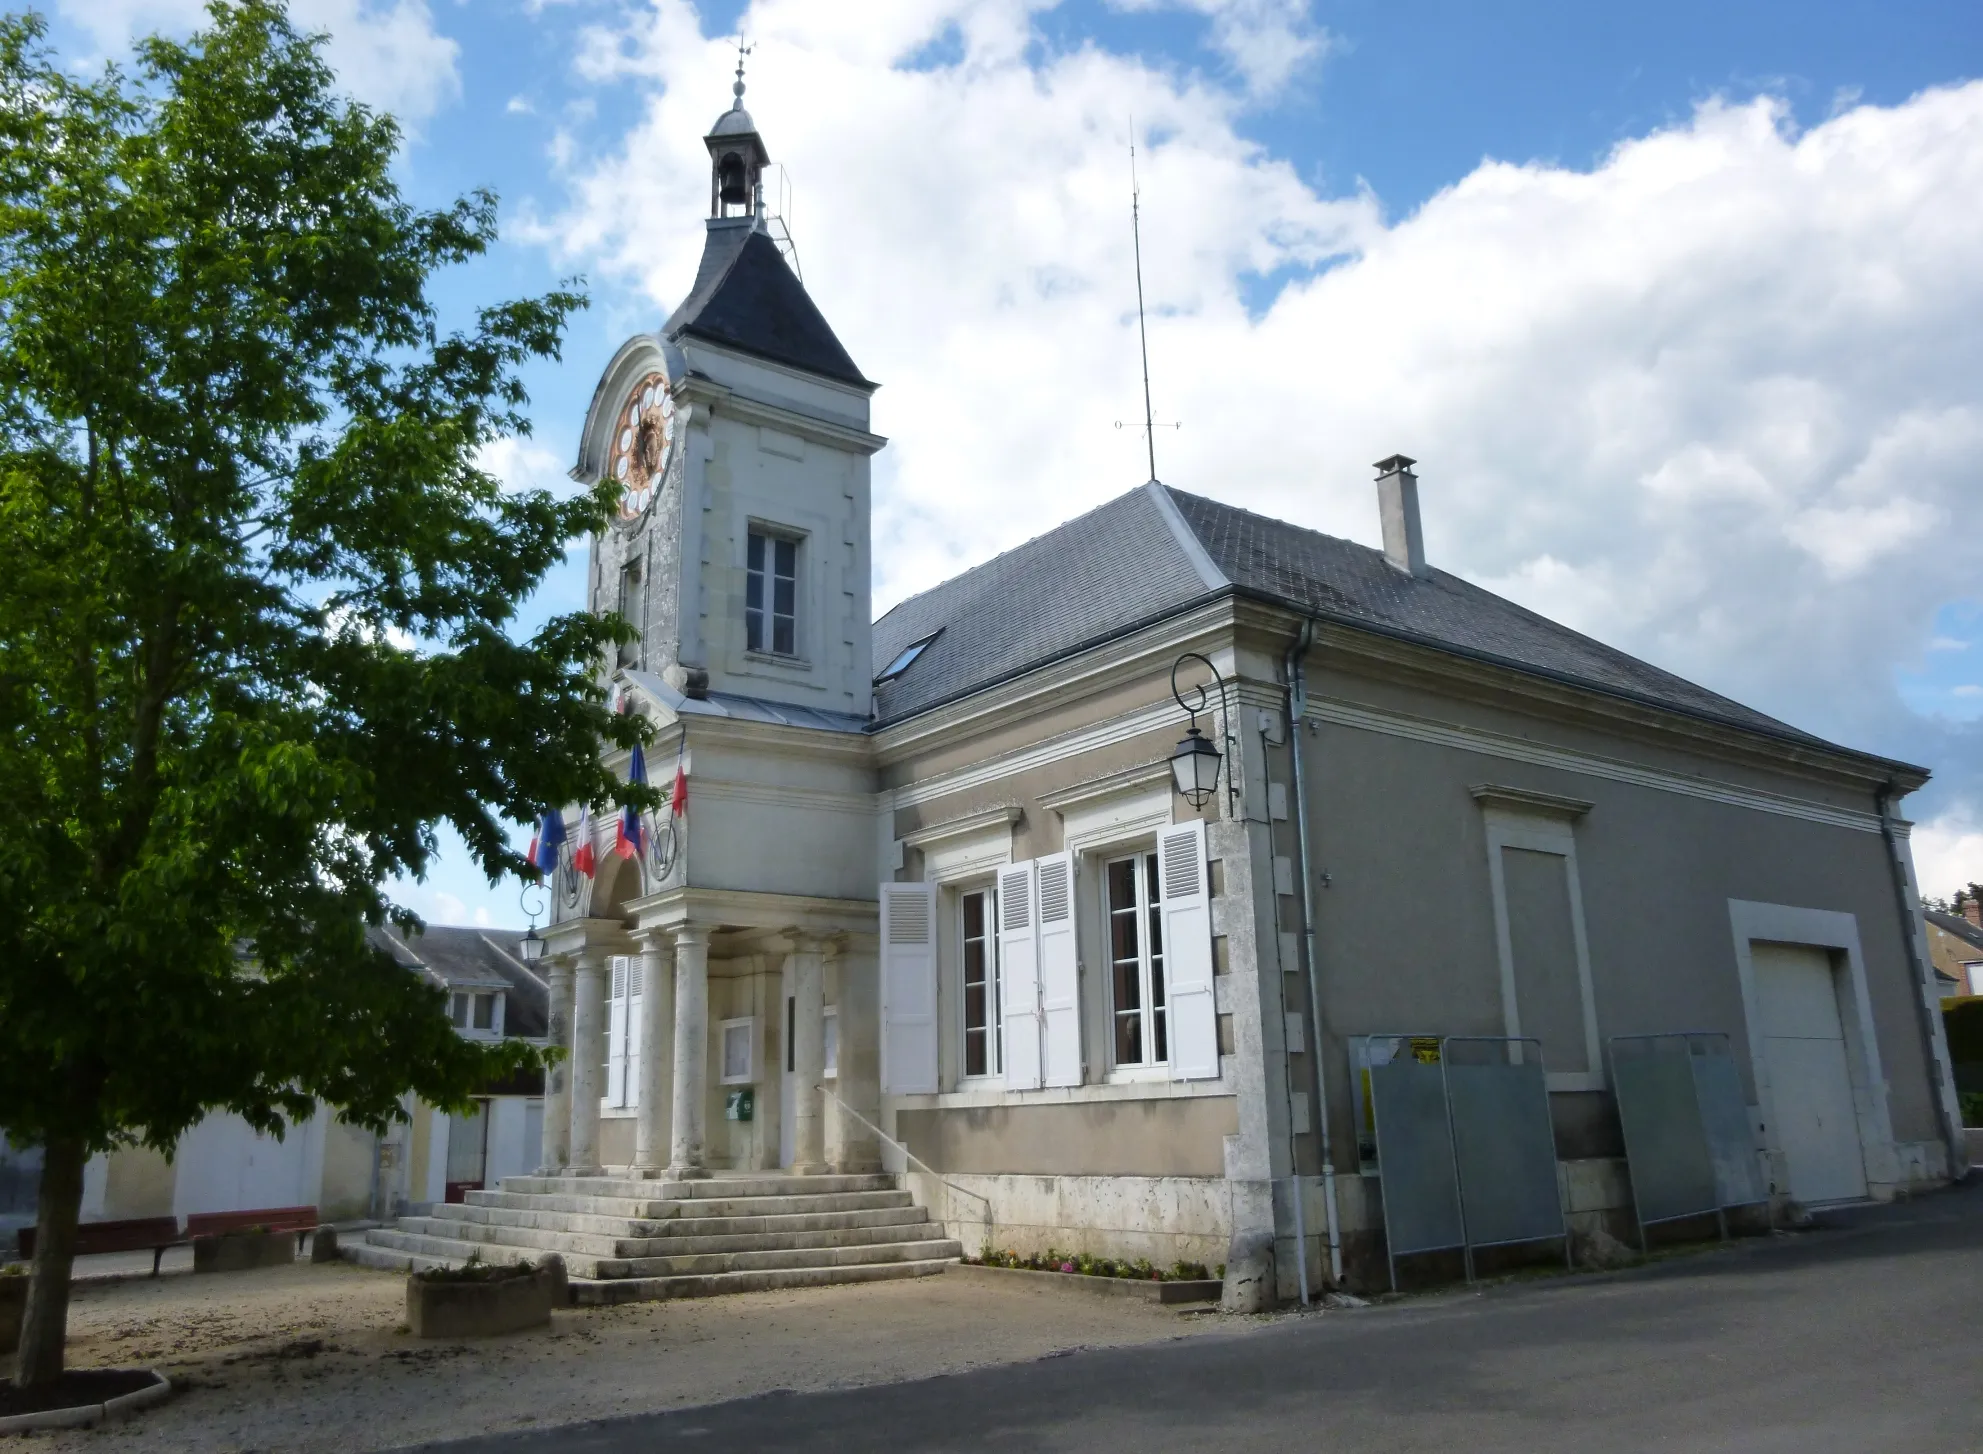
[557, 1080]
[851, 1147]
[587, 1078]
[808, 1056]
[691, 1052]
[657, 1031]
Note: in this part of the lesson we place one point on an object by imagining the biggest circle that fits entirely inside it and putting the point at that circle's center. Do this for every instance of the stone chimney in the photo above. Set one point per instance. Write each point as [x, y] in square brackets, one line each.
[1397, 505]
[1972, 909]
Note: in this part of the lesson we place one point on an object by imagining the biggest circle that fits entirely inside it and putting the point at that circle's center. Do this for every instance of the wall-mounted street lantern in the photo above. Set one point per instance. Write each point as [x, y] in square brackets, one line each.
[532, 948]
[1195, 764]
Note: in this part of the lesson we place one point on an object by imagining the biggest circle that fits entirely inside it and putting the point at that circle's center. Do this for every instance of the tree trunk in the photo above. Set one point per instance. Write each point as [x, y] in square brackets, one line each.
[45, 1328]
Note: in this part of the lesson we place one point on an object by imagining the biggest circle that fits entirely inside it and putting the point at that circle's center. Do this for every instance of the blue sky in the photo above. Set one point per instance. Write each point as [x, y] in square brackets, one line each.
[1339, 268]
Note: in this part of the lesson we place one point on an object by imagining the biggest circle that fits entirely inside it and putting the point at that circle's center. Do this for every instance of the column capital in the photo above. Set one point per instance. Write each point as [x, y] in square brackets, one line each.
[656, 938]
[807, 941]
[689, 936]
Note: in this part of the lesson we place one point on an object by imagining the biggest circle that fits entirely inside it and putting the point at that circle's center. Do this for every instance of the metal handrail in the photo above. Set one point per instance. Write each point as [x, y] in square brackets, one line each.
[909, 1158]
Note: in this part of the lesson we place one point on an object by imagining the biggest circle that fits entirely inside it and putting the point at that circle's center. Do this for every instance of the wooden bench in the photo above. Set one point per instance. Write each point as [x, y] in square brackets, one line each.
[139, 1234]
[300, 1220]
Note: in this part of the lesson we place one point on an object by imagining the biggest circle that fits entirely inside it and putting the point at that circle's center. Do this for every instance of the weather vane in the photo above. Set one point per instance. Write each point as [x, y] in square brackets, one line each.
[1150, 426]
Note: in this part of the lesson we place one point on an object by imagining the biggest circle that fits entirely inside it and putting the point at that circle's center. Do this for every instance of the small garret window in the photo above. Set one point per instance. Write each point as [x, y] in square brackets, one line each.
[906, 658]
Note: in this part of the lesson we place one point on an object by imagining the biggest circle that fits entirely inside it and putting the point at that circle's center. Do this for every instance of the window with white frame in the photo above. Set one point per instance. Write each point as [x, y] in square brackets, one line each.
[983, 1027]
[1136, 961]
[771, 594]
[1975, 969]
[736, 1040]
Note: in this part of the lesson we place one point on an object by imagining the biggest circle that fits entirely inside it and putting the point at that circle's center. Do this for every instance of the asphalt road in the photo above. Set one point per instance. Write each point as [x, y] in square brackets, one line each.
[1864, 1334]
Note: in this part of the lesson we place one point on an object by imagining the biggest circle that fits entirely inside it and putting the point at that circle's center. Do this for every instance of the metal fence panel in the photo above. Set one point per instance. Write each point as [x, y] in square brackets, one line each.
[1666, 1146]
[1415, 1158]
[1506, 1152]
[1731, 1141]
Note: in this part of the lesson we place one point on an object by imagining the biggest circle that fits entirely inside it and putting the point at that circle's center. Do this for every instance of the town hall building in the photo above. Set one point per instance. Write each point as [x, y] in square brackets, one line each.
[1064, 904]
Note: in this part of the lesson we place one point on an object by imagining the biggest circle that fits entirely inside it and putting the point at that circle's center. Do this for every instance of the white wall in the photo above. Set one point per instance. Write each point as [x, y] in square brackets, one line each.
[515, 1129]
[225, 1166]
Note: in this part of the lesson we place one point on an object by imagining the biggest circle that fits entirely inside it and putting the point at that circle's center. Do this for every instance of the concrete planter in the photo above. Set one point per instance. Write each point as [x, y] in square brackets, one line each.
[243, 1251]
[1140, 1289]
[481, 1309]
[13, 1307]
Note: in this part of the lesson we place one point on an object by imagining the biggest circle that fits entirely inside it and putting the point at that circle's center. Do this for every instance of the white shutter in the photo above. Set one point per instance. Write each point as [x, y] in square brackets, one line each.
[636, 986]
[1060, 971]
[1019, 976]
[616, 1033]
[1187, 916]
[908, 988]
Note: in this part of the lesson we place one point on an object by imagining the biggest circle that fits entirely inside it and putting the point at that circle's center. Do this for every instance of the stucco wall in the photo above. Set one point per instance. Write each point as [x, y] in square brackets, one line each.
[1406, 932]
[1181, 1137]
[1165, 1219]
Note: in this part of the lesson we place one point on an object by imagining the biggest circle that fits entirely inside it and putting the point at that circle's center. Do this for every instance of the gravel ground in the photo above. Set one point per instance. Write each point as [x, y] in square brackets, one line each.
[311, 1357]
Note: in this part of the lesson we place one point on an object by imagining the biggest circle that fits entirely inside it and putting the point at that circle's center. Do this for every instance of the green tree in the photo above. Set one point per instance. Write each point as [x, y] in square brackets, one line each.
[256, 604]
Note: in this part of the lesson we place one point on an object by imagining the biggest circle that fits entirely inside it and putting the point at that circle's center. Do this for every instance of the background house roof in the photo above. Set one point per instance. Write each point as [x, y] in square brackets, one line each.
[1156, 550]
[484, 959]
[1956, 926]
[745, 297]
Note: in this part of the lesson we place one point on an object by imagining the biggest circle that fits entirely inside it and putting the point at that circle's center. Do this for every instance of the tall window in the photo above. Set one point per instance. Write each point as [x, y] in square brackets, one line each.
[771, 595]
[983, 1029]
[1136, 959]
[628, 606]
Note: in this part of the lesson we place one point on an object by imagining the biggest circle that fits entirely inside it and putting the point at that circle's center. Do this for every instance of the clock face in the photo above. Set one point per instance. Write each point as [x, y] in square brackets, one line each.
[643, 443]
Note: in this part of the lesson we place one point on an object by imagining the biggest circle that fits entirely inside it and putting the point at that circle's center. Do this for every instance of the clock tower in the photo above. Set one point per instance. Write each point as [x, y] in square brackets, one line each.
[738, 437]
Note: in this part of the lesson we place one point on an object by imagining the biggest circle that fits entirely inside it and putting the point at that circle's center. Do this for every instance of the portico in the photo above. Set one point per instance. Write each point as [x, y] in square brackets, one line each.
[698, 1023]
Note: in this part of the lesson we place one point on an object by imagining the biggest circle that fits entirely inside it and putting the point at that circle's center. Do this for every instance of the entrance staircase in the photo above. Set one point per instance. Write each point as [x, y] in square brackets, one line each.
[629, 1241]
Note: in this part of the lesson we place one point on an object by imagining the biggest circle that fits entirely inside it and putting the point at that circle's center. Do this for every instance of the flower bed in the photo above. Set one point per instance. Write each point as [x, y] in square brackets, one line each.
[1082, 1264]
[1182, 1282]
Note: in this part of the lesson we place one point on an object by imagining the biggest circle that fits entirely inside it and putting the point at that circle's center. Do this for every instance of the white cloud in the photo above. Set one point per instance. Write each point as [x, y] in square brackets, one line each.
[1266, 41]
[1948, 853]
[523, 464]
[386, 53]
[1718, 400]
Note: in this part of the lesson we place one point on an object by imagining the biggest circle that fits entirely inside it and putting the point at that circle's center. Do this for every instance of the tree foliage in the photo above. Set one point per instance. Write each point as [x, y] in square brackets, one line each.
[257, 595]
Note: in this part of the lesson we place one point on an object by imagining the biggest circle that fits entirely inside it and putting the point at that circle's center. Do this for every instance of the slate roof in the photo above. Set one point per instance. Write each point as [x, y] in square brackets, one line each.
[745, 297]
[480, 959]
[1112, 569]
[1956, 925]
[1157, 550]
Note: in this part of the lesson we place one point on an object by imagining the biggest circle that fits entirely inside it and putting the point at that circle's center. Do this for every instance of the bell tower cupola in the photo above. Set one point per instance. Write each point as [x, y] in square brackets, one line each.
[737, 157]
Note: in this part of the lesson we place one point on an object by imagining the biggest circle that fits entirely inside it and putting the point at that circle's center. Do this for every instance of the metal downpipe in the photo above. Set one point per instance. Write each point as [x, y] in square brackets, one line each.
[1294, 665]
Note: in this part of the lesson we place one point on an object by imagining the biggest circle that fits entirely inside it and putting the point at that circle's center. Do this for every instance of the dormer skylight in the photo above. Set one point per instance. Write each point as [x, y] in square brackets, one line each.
[906, 657]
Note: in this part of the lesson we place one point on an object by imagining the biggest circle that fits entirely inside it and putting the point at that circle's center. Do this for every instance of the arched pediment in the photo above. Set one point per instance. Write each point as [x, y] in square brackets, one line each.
[639, 356]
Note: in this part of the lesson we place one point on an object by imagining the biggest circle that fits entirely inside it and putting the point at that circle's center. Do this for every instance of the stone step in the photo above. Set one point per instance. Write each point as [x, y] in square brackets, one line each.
[583, 1224]
[711, 1189]
[522, 1239]
[399, 1250]
[719, 1263]
[391, 1259]
[449, 1252]
[632, 1210]
[648, 1289]
[911, 1223]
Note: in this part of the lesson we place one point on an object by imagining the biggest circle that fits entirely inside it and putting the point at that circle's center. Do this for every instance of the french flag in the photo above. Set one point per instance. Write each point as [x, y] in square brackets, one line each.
[678, 800]
[633, 833]
[582, 858]
[546, 842]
